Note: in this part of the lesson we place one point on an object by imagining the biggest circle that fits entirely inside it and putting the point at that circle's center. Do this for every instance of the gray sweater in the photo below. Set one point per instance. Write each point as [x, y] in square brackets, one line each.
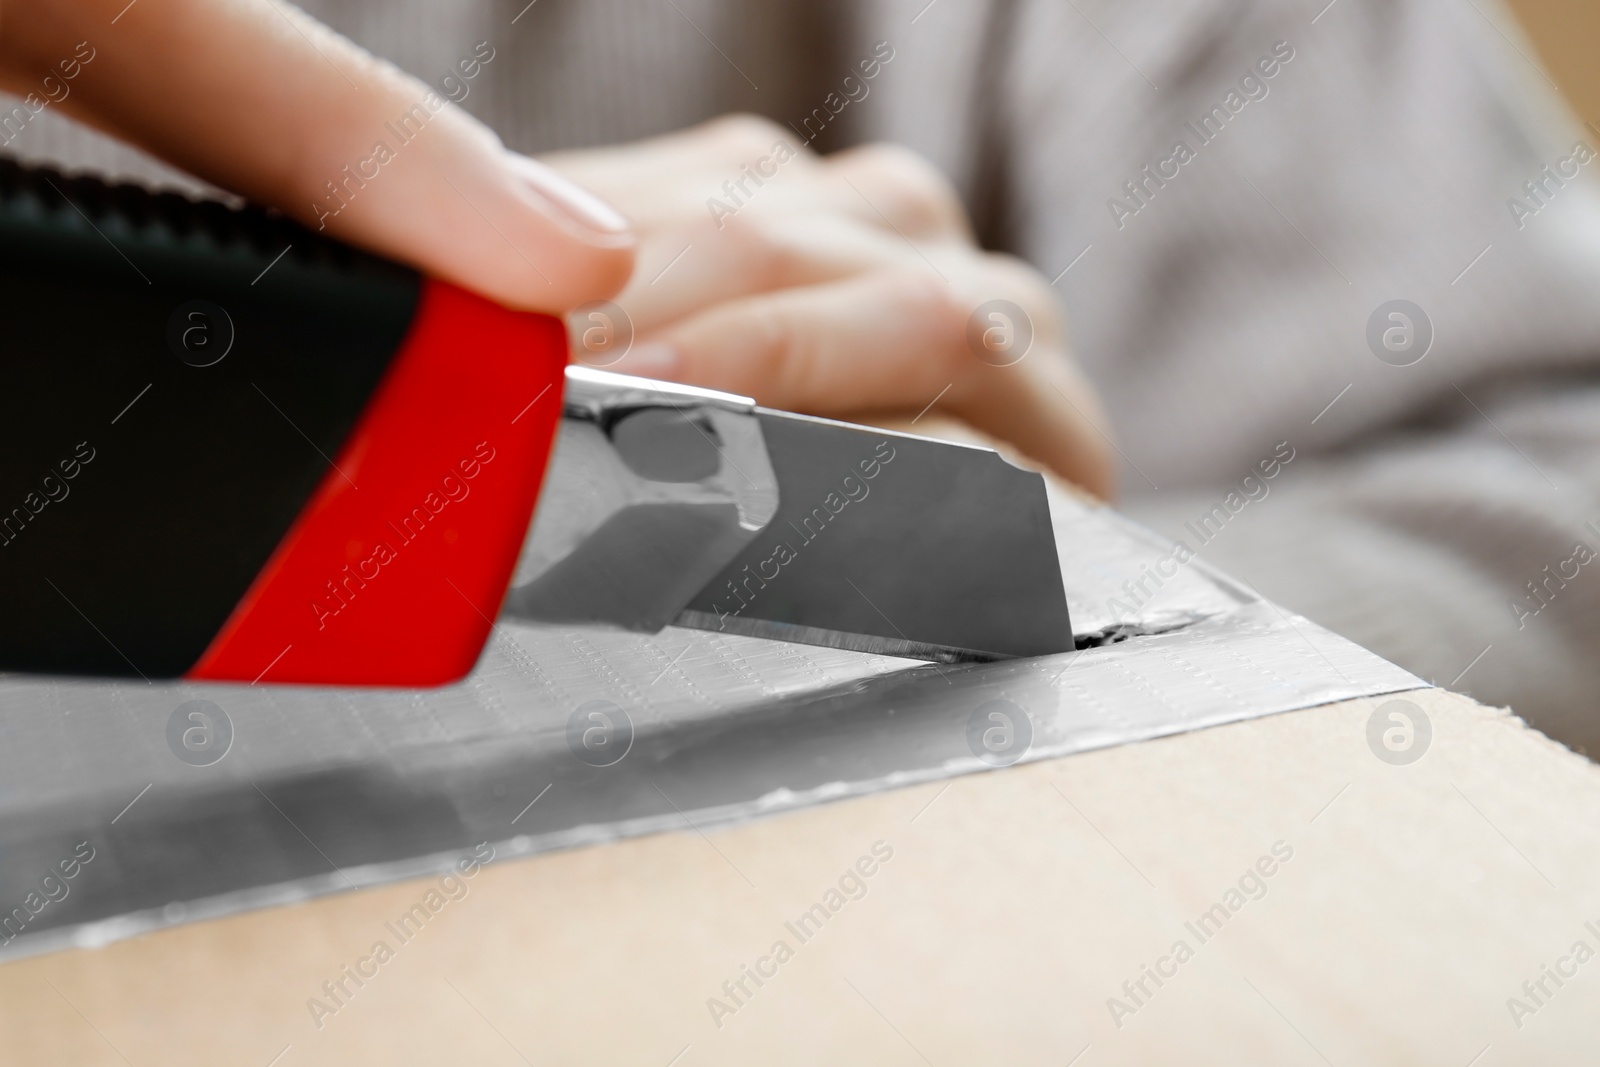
[1228, 194]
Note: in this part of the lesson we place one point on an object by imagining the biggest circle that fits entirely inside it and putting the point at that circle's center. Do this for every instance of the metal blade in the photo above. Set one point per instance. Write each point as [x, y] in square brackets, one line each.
[896, 544]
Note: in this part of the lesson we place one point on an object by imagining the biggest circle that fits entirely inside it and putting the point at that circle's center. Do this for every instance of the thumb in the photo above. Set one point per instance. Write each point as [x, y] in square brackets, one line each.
[257, 97]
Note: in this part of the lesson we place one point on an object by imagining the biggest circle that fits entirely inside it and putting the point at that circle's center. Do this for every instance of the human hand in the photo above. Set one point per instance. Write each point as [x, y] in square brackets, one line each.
[844, 286]
[259, 98]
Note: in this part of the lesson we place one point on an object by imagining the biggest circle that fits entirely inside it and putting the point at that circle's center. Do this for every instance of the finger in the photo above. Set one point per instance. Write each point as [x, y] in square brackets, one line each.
[690, 172]
[257, 97]
[717, 169]
[1049, 411]
[890, 342]
[892, 187]
[751, 253]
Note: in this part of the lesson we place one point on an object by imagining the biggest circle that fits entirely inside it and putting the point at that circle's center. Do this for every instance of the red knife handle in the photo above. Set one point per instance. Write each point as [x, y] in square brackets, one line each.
[338, 497]
[394, 570]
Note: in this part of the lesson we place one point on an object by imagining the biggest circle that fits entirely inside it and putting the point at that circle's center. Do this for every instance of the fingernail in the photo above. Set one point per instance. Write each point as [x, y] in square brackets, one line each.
[653, 359]
[573, 202]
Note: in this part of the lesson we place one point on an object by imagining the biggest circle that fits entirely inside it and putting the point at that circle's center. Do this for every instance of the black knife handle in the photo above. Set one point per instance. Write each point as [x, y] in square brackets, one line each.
[184, 383]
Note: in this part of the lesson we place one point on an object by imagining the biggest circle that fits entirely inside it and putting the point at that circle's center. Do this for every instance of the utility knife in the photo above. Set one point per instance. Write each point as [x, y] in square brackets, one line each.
[237, 450]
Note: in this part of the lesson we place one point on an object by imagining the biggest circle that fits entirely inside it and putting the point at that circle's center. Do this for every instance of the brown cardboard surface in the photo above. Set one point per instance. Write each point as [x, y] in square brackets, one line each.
[1566, 33]
[1416, 902]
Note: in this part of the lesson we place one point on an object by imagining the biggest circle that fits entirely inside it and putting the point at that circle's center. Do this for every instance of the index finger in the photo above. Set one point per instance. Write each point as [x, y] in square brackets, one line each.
[257, 97]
